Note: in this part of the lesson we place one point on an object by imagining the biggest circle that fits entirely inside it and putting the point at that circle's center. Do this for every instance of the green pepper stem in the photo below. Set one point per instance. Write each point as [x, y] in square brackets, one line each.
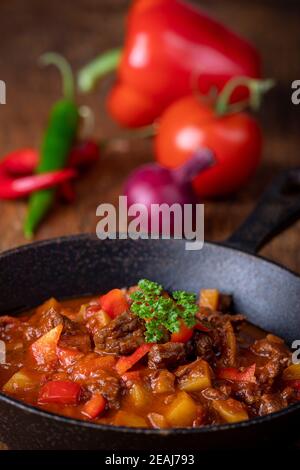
[89, 75]
[257, 88]
[52, 58]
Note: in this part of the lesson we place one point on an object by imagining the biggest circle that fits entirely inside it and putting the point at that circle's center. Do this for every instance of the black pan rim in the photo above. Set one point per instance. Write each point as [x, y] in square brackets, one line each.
[102, 427]
[92, 236]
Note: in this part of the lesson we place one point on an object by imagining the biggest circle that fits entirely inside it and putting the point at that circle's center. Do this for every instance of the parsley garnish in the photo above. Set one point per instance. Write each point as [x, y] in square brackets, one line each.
[160, 312]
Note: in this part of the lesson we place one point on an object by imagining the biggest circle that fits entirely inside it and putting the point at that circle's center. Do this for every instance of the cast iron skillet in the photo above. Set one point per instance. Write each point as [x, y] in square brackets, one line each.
[77, 265]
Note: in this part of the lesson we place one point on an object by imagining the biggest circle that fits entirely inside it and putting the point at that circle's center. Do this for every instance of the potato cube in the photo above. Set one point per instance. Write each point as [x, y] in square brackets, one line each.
[230, 410]
[21, 381]
[123, 418]
[138, 395]
[182, 411]
[194, 377]
[209, 298]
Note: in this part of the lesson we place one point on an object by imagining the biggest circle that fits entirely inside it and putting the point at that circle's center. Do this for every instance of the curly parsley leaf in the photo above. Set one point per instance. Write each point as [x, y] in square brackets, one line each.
[161, 312]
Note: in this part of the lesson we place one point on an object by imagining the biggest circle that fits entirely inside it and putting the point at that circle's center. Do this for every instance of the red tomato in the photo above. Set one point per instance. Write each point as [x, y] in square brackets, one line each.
[233, 374]
[188, 125]
[62, 392]
[126, 362]
[94, 406]
[114, 303]
[183, 335]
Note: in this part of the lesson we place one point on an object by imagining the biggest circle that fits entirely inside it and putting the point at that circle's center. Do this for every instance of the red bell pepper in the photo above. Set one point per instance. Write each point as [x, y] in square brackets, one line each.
[171, 47]
[126, 362]
[183, 335]
[95, 406]
[114, 303]
[235, 375]
[62, 392]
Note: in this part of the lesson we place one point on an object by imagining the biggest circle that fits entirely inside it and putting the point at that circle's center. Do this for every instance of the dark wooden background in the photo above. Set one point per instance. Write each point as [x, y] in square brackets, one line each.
[83, 28]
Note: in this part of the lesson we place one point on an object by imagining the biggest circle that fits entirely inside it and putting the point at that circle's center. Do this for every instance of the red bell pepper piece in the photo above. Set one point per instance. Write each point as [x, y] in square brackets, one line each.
[114, 303]
[183, 335]
[199, 326]
[68, 356]
[13, 188]
[126, 362]
[295, 384]
[169, 45]
[62, 392]
[95, 406]
[235, 375]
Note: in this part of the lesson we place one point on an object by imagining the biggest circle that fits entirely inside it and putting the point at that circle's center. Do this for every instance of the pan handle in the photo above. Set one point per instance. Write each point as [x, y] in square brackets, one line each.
[278, 208]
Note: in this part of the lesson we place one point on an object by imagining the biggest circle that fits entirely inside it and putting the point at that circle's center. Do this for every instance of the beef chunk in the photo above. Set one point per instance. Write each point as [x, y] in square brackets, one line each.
[219, 318]
[269, 403]
[108, 385]
[277, 355]
[228, 345]
[270, 347]
[247, 392]
[225, 303]
[41, 323]
[167, 355]
[123, 335]
[9, 327]
[204, 346]
[96, 373]
[162, 381]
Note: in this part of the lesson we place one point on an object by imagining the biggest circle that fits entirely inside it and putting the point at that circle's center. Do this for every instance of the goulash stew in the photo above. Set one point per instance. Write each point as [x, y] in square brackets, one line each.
[141, 357]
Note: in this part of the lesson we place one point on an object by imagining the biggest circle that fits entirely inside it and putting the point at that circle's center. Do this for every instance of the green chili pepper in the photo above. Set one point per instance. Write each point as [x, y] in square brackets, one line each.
[58, 139]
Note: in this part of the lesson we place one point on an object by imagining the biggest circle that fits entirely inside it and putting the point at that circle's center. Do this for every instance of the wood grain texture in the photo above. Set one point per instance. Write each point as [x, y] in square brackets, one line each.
[84, 28]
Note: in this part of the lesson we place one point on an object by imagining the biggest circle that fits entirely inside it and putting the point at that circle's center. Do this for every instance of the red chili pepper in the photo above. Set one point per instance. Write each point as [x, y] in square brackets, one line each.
[13, 188]
[62, 392]
[84, 154]
[126, 362]
[170, 47]
[235, 375]
[20, 162]
[67, 192]
[24, 162]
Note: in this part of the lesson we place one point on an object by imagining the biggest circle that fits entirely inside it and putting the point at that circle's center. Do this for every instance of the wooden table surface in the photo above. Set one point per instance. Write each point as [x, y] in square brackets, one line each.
[84, 28]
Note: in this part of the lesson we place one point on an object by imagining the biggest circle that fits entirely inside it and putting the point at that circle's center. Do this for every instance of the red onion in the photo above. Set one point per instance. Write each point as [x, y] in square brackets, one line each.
[154, 184]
